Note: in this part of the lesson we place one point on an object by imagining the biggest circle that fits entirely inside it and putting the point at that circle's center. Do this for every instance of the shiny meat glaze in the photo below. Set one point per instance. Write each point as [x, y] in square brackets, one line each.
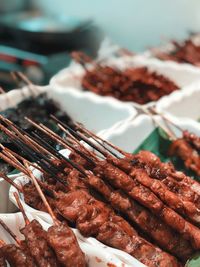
[91, 216]
[183, 207]
[147, 198]
[176, 181]
[112, 235]
[36, 241]
[16, 257]
[63, 241]
[160, 232]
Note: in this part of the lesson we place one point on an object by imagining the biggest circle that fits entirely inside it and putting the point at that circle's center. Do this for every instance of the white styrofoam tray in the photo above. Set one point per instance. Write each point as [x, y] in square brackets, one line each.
[183, 104]
[182, 75]
[95, 113]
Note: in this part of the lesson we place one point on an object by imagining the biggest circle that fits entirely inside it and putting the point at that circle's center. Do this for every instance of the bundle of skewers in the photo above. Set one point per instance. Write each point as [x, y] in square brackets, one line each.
[57, 246]
[137, 84]
[35, 104]
[134, 203]
[37, 243]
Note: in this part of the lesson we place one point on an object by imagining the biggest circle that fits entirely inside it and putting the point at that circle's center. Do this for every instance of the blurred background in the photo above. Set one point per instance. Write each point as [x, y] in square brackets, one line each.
[38, 35]
[134, 24]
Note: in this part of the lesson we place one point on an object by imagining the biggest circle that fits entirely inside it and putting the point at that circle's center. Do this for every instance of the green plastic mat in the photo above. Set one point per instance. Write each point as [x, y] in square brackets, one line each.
[158, 143]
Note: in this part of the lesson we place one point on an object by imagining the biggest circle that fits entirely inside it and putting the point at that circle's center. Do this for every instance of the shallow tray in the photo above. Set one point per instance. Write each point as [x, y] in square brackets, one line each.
[182, 75]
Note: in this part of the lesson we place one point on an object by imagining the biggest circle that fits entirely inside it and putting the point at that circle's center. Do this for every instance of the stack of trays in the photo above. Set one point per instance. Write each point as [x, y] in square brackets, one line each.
[125, 124]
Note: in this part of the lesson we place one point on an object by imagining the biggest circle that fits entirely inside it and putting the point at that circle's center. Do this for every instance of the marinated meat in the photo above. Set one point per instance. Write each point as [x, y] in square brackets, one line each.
[188, 52]
[63, 241]
[146, 221]
[189, 155]
[135, 84]
[147, 198]
[36, 240]
[92, 216]
[16, 257]
[112, 235]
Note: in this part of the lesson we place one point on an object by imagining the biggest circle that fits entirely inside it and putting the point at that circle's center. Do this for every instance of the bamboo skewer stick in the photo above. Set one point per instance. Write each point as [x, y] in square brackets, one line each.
[57, 138]
[96, 139]
[10, 181]
[10, 232]
[76, 142]
[11, 162]
[7, 150]
[81, 136]
[41, 193]
[170, 134]
[67, 159]
[26, 80]
[166, 118]
[26, 137]
[20, 206]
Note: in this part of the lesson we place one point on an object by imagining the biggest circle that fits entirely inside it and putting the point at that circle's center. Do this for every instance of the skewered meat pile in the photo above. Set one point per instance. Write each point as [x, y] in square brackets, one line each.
[38, 109]
[134, 203]
[55, 247]
[94, 218]
[188, 52]
[134, 84]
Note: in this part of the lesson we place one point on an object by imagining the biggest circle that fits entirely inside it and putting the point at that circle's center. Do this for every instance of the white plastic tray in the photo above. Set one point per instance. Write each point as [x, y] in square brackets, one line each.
[182, 75]
[182, 104]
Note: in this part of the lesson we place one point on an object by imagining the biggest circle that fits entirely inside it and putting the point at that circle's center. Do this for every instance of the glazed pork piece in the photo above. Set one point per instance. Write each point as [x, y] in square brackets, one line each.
[91, 216]
[16, 257]
[105, 198]
[182, 206]
[36, 240]
[62, 239]
[160, 232]
[157, 229]
[187, 154]
[147, 198]
[57, 247]
[176, 181]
